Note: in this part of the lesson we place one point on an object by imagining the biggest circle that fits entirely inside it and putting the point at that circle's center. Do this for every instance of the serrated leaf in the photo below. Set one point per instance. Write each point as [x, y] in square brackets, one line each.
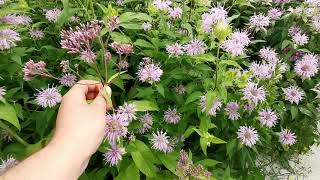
[192, 97]
[169, 160]
[145, 105]
[8, 114]
[143, 165]
[143, 43]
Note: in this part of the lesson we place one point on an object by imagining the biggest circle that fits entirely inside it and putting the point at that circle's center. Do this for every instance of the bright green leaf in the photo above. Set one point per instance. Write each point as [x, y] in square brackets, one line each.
[8, 113]
[143, 165]
[145, 105]
[193, 97]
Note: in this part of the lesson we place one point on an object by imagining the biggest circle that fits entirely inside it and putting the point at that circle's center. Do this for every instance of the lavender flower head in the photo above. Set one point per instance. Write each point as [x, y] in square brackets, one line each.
[174, 50]
[274, 14]
[216, 14]
[293, 30]
[78, 40]
[236, 43]
[160, 141]
[37, 34]
[268, 118]
[232, 110]
[171, 116]
[269, 55]
[32, 69]
[53, 14]
[253, 93]
[2, 93]
[262, 71]
[8, 38]
[88, 56]
[7, 164]
[175, 13]
[147, 122]
[293, 94]
[68, 80]
[240, 37]
[113, 23]
[115, 128]
[127, 112]
[286, 137]
[216, 106]
[122, 49]
[259, 22]
[146, 26]
[48, 97]
[247, 135]
[15, 19]
[180, 89]
[114, 155]
[195, 47]
[162, 5]
[300, 39]
[249, 107]
[149, 72]
[307, 67]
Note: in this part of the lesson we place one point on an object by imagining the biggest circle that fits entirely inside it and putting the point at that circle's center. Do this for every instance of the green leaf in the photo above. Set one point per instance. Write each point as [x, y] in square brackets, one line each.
[143, 43]
[285, 43]
[160, 89]
[143, 165]
[119, 37]
[210, 97]
[145, 150]
[203, 144]
[215, 140]
[230, 63]
[188, 132]
[145, 105]
[115, 76]
[204, 123]
[294, 112]
[130, 16]
[8, 113]
[208, 162]
[169, 160]
[305, 111]
[193, 97]
[131, 25]
[204, 58]
[132, 173]
[231, 147]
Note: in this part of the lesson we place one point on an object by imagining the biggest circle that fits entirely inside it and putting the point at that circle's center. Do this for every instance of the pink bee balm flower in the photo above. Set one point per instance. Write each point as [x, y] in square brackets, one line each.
[175, 13]
[147, 122]
[115, 128]
[195, 47]
[160, 141]
[15, 19]
[249, 107]
[307, 67]
[48, 97]
[232, 47]
[127, 112]
[114, 155]
[274, 14]
[171, 116]
[293, 94]
[146, 26]
[122, 48]
[162, 5]
[263, 71]
[240, 37]
[2, 93]
[268, 118]
[300, 39]
[8, 38]
[53, 14]
[248, 135]
[269, 55]
[37, 34]
[294, 30]
[7, 164]
[88, 56]
[286, 137]
[123, 64]
[216, 106]
[68, 80]
[32, 69]
[149, 72]
[253, 93]
[259, 22]
[174, 50]
[232, 110]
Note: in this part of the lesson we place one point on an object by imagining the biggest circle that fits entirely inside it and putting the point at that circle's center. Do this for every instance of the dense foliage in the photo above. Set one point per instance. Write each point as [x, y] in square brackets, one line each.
[200, 89]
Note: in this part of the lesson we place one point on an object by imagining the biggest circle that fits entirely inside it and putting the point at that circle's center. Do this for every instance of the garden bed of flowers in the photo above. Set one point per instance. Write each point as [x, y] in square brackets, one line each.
[200, 89]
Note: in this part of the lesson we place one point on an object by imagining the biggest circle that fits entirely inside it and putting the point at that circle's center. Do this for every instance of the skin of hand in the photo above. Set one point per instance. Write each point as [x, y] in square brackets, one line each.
[79, 131]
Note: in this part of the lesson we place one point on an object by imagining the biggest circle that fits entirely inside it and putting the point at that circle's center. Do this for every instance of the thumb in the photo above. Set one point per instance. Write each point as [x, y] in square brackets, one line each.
[103, 99]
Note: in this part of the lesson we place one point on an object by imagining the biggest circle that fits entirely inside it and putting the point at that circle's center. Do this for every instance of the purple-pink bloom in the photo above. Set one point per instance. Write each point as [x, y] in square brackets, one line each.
[146, 26]
[174, 50]
[307, 67]
[37, 34]
[248, 135]
[232, 47]
[123, 64]
[127, 112]
[240, 37]
[259, 21]
[195, 47]
[216, 106]
[180, 89]
[293, 30]
[171, 116]
[32, 69]
[147, 122]
[7, 164]
[268, 117]
[160, 141]
[149, 72]
[107, 56]
[253, 93]
[115, 128]
[262, 71]
[274, 14]
[114, 155]
[68, 80]
[208, 20]
[8, 38]
[162, 5]
[249, 107]
[300, 39]
[88, 56]
[232, 110]
[175, 13]
[282, 1]
[286, 137]
[48, 97]
[2, 93]
[122, 49]
[293, 94]
[269, 55]
[15, 19]
[113, 23]
[53, 14]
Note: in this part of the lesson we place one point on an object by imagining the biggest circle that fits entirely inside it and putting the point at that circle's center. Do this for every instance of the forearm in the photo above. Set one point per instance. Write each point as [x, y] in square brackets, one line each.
[51, 163]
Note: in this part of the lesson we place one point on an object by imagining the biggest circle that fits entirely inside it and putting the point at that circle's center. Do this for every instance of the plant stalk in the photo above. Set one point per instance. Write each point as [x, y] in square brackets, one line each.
[12, 133]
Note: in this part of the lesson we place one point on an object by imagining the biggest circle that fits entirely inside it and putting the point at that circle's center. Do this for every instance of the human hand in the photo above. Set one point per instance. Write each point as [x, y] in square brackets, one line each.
[80, 126]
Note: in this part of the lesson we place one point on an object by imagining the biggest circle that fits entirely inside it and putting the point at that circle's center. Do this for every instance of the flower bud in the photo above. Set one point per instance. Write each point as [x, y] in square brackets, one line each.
[222, 30]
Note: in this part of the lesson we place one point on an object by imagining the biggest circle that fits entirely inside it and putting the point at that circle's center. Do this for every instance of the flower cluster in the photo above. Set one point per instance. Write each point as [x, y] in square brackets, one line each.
[236, 43]
[149, 72]
[8, 38]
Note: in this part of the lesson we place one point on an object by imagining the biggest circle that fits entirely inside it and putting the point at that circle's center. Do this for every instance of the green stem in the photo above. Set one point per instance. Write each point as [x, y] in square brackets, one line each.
[12, 133]
[217, 68]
